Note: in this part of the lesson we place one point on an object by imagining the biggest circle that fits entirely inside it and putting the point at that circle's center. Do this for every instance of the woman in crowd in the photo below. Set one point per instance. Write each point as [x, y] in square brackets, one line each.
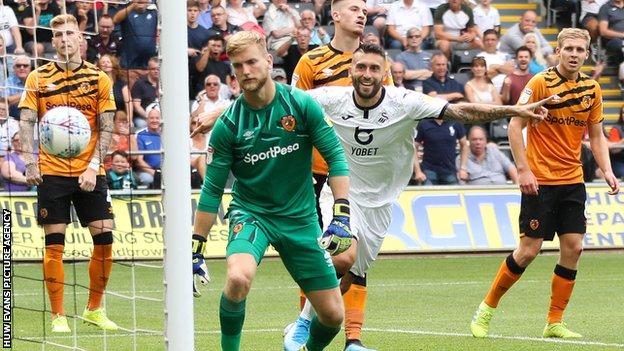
[14, 167]
[616, 145]
[538, 63]
[480, 88]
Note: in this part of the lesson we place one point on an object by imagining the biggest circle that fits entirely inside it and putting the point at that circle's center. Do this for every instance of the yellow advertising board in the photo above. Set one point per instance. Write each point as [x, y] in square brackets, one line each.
[424, 219]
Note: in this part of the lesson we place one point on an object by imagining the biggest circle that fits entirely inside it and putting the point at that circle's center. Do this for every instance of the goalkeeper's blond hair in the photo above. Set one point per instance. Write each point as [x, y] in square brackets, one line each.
[237, 43]
[62, 19]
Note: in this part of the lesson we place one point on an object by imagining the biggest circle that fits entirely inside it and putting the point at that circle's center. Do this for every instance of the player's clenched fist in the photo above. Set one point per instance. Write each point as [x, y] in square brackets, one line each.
[337, 238]
[200, 271]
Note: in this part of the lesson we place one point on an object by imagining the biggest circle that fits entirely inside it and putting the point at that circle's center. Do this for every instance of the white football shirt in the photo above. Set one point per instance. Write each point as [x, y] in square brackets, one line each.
[378, 141]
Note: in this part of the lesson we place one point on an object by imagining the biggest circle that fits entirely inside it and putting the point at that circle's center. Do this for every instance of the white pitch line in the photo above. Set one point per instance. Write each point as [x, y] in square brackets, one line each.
[521, 338]
[380, 330]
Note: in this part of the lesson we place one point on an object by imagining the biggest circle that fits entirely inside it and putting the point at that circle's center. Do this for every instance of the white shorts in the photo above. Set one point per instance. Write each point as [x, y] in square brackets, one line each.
[368, 225]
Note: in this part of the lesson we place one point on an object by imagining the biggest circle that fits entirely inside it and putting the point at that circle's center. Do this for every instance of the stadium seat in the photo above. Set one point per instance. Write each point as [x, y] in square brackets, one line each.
[300, 6]
[462, 58]
[392, 53]
[461, 77]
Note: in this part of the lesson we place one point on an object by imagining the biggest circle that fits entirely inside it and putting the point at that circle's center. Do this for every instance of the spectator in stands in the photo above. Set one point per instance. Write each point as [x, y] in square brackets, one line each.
[589, 17]
[14, 167]
[145, 92]
[209, 62]
[148, 139]
[205, 12]
[406, 14]
[621, 75]
[616, 146]
[454, 28]
[86, 16]
[121, 139]
[538, 61]
[514, 38]
[8, 126]
[15, 83]
[440, 84]
[516, 81]
[417, 63]
[376, 13]
[480, 89]
[498, 62]
[209, 98]
[486, 16]
[110, 65]
[279, 75]
[120, 175]
[103, 43]
[611, 26]
[4, 62]
[371, 38]
[10, 31]
[139, 26]
[439, 139]
[280, 24]
[45, 10]
[291, 51]
[220, 25]
[199, 144]
[398, 75]
[318, 35]
[246, 17]
[197, 35]
[486, 164]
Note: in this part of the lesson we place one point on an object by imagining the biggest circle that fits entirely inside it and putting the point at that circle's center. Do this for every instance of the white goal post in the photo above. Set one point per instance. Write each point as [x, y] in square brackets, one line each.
[179, 324]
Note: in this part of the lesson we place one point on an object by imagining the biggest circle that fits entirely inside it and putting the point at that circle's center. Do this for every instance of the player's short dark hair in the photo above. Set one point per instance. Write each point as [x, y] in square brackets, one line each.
[367, 48]
[216, 37]
[192, 3]
[491, 31]
[524, 48]
[335, 2]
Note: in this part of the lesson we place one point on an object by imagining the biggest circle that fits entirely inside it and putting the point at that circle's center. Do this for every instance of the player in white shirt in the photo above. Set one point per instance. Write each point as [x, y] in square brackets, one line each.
[375, 125]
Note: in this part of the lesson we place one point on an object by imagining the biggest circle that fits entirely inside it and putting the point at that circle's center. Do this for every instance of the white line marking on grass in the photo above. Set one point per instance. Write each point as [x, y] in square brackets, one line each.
[380, 330]
[521, 338]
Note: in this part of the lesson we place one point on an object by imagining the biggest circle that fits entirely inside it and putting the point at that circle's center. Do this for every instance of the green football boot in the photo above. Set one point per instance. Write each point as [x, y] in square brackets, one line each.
[98, 318]
[559, 330]
[481, 320]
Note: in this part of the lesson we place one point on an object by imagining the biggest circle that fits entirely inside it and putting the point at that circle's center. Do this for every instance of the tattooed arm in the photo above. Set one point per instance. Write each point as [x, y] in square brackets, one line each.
[28, 120]
[88, 178]
[105, 123]
[481, 113]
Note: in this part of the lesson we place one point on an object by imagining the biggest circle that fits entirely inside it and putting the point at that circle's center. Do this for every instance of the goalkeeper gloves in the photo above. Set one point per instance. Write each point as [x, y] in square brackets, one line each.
[337, 238]
[200, 271]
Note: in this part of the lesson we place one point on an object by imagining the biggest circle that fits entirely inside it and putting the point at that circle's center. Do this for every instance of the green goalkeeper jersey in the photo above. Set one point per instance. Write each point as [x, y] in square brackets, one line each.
[269, 152]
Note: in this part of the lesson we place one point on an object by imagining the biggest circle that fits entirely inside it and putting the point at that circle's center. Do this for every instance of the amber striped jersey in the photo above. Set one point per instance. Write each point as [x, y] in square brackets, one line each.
[554, 145]
[87, 89]
[325, 66]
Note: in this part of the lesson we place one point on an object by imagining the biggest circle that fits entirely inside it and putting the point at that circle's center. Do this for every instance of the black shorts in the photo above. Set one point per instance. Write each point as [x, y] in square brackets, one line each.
[56, 194]
[556, 208]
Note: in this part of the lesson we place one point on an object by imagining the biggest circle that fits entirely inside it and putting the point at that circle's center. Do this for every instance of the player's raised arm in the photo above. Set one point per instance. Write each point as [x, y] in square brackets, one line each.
[480, 113]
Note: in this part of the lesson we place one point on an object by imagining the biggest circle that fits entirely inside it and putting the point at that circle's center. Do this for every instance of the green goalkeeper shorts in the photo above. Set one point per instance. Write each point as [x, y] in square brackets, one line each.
[296, 241]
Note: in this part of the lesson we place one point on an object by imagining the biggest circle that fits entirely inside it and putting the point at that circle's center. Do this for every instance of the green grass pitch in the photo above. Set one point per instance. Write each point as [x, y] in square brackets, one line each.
[415, 303]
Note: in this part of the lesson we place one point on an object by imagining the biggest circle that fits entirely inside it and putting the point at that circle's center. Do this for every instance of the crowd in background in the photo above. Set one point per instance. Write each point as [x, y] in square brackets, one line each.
[422, 37]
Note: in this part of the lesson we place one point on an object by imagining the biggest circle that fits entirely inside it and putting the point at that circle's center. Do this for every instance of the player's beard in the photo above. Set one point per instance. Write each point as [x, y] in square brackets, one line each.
[254, 85]
[366, 94]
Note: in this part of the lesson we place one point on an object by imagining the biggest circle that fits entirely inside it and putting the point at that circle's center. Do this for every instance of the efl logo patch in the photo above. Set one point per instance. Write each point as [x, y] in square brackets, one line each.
[237, 228]
[524, 97]
[209, 153]
[534, 224]
[288, 123]
[43, 213]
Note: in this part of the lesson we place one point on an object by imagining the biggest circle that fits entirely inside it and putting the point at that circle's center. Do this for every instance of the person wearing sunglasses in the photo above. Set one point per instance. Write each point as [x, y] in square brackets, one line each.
[417, 62]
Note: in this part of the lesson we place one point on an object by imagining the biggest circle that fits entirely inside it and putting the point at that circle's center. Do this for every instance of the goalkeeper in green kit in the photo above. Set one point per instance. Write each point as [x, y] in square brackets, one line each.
[265, 138]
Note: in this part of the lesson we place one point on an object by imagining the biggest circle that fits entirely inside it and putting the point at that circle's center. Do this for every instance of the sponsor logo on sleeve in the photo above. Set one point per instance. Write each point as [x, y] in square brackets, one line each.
[524, 97]
[209, 154]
